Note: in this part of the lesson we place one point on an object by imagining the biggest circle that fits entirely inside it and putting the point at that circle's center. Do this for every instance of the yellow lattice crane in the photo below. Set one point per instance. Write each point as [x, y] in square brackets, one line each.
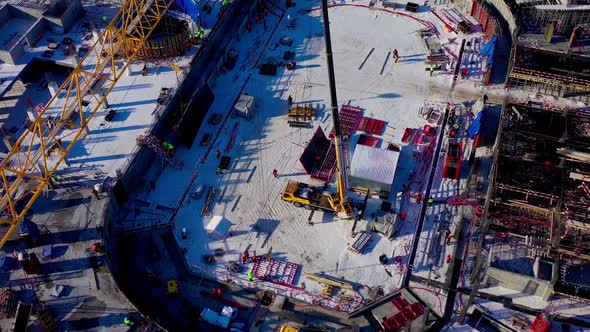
[29, 165]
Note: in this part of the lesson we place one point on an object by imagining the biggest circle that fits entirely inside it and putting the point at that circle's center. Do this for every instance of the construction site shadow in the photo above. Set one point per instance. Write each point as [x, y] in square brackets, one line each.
[173, 313]
[115, 129]
[73, 236]
[104, 321]
[265, 227]
[489, 128]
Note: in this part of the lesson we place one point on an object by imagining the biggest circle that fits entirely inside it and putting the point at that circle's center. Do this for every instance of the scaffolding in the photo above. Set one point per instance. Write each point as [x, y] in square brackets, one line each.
[536, 17]
[548, 83]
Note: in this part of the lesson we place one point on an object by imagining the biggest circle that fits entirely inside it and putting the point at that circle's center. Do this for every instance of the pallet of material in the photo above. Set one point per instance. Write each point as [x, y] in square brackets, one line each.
[328, 281]
[206, 210]
[280, 272]
[360, 242]
[438, 57]
[299, 124]
[305, 111]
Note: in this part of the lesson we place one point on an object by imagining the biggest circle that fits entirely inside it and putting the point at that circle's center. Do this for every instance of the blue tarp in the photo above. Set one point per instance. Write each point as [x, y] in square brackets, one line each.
[488, 49]
[7, 263]
[188, 7]
[475, 125]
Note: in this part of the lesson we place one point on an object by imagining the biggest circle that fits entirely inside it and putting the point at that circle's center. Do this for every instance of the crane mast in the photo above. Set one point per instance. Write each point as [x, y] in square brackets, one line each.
[340, 163]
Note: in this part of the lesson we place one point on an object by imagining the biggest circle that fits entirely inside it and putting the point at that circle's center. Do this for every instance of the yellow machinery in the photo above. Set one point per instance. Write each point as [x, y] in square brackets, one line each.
[300, 194]
[311, 198]
[28, 167]
[171, 287]
[288, 328]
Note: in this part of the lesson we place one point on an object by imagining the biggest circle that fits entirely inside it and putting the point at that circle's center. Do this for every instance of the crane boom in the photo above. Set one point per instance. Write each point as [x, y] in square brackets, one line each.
[340, 162]
[28, 166]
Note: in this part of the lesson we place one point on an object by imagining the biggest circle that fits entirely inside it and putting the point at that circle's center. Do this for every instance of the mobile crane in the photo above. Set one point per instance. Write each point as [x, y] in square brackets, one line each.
[312, 198]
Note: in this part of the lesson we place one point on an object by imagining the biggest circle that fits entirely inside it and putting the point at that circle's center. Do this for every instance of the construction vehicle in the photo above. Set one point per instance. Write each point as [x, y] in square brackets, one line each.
[171, 287]
[288, 328]
[303, 195]
[312, 198]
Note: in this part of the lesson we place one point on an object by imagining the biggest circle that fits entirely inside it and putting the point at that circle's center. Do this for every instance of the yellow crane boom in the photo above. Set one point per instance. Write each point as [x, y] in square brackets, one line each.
[28, 166]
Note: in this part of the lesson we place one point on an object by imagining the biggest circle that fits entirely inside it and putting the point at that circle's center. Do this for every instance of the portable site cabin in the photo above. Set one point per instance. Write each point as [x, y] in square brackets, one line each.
[218, 227]
[245, 106]
[373, 169]
[214, 318]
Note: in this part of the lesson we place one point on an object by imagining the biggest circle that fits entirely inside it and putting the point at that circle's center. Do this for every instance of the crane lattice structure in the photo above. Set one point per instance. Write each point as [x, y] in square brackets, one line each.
[29, 165]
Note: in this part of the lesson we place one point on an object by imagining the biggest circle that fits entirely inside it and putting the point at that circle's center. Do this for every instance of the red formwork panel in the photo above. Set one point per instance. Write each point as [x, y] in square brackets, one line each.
[372, 126]
[350, 117]
[327, 167]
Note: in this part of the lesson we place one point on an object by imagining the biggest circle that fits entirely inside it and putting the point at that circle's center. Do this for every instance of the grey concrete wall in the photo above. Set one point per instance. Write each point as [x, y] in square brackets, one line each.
[518, 282]
[16, 52]
[4, 15]
[34, 34]
[27, 13]
[67, 19]
[504, 10]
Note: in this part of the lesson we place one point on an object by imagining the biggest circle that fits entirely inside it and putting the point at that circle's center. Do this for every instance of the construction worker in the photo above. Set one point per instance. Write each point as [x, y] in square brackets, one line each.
[218, 171]
[290, 100]
[105, 18]
[418, 198]
[463, 72]
[403, 215]
[395, 55]
[224, 3]
[250, 276]
[431, 70]
[168, 145]
[217, 153]
[430, 200]
[95, 193]
[245, 256]
[127, 321]
[275, 173]
[97, 247]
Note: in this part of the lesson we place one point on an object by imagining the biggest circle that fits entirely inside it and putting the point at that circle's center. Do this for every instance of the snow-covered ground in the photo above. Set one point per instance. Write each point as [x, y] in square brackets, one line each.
[249, 196]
